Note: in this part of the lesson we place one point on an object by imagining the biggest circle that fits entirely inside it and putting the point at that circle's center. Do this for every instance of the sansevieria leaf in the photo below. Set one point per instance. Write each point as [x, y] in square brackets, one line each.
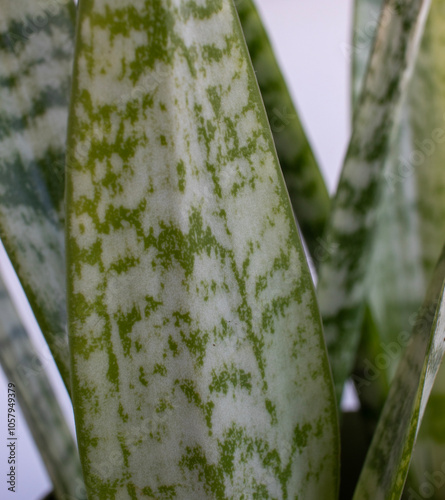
[199, 368]
[307, 190]
[342, 286]
[388, 459]
[38, 403]
[36, 48]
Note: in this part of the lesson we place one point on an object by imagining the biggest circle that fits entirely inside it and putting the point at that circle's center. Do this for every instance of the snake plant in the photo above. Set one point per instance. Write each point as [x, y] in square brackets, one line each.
[162, 226]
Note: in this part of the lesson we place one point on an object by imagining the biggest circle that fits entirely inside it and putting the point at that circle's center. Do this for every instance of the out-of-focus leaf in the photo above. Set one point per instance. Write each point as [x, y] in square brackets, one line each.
[36, 46]
[305, 184]
[407, 240]
[342, 286]
[195, 335]
[386, 466]
[39, 405]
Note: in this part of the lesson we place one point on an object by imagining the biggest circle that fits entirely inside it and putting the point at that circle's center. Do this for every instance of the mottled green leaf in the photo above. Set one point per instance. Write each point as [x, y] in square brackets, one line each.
[39, 405]
[194, 330]
[388, 459]
[305, 184]
[36, 45]
[342, 284]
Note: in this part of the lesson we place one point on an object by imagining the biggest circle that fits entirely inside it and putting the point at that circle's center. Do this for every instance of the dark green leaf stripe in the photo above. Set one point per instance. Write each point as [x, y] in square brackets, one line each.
[341, 286]
[199, 369]
[388, 459]
[23, 367]
[307, 190]
[36, 46]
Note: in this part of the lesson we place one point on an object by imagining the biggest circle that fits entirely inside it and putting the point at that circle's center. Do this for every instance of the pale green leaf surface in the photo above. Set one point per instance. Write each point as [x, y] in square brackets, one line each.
[36, 46]
[305, 184]
[388, 459]
[194, 330]
[342, 284]
[39, 405]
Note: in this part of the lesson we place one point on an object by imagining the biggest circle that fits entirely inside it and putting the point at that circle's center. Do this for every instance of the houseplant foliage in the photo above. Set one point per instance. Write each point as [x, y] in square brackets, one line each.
[197, 361]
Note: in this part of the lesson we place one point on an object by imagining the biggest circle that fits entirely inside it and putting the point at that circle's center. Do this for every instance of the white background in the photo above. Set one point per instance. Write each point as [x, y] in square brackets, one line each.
[310, 39]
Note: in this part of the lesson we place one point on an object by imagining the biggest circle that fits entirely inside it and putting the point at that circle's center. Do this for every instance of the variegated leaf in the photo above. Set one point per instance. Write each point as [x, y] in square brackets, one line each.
[194, 330]
[341, 286]
[36, 45]
[38, 403]
[305, 184]
[388, 459]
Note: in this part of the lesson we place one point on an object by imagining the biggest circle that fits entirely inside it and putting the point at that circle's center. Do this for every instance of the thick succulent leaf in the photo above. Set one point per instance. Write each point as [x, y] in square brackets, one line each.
[36, 46]
[388, 459]
[38, 403]
[305, 184]
[194, 330]
[341, 286]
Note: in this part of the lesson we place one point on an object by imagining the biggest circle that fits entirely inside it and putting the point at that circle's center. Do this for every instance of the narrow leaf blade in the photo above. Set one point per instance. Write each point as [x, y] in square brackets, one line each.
[388, 459]
[44, 417]
[36, 49]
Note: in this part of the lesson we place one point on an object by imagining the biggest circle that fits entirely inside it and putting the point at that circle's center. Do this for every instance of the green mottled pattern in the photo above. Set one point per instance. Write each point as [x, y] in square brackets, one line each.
[199, 368]
[388, 459]
[341, 286]
[36, 46]
[307, 190]
[23, 367]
